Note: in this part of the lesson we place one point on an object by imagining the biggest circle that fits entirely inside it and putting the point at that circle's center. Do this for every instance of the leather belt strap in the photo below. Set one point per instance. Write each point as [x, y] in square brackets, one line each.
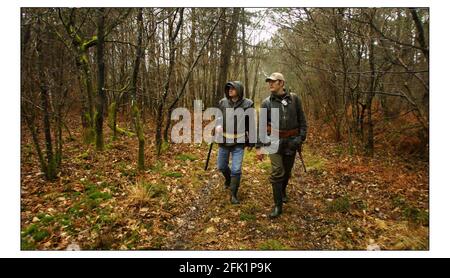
[288, 133]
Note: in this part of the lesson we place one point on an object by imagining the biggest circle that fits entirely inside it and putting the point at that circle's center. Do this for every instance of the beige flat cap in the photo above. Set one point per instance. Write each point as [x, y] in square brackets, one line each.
[275, 76]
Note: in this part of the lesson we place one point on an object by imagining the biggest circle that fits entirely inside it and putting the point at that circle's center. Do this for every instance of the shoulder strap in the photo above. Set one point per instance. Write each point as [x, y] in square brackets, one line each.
[294, 99]
[297, 107]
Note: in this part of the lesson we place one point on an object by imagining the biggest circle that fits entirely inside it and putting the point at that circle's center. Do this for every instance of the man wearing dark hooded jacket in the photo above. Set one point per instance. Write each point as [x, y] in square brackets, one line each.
[233, 130]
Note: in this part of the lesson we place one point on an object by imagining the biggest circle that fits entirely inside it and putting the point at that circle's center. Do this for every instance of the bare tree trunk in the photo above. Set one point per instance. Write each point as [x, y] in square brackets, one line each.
[112, 118]
[32, 127]
[343, 58]
[421, 33]
[62, 95]
[80, 48]
[255, 80]
[225, 53]
[191, 69]
[88, 115]
[159, 114]
[193, 90]
[244, 53]
[369, 145]
[29, 118]
[51, 163]
[101, 97]
[134, 106]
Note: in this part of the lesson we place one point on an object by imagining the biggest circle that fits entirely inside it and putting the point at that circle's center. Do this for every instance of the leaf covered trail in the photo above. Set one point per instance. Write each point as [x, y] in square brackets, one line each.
[100, 201]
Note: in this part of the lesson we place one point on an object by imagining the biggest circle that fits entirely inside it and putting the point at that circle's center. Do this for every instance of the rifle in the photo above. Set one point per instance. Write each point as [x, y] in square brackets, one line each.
[299, 150]
[209, 155]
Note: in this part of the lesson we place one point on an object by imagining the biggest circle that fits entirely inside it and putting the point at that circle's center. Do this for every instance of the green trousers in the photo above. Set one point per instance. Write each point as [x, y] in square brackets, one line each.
[281, 167]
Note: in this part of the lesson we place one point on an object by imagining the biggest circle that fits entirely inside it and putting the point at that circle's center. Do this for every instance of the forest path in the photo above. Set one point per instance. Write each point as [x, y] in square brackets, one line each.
[342, 202]
[339, 203]
[187, 223]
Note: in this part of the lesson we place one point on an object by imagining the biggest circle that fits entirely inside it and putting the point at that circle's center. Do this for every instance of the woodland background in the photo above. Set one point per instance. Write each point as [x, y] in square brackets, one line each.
[98, 86]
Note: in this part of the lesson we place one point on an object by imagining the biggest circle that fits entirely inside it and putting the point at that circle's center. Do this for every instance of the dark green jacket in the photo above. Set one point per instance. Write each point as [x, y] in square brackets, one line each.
[291, 117]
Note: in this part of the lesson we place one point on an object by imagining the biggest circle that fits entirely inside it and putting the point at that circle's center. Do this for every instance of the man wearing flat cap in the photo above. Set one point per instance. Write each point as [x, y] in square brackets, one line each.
[291, 127]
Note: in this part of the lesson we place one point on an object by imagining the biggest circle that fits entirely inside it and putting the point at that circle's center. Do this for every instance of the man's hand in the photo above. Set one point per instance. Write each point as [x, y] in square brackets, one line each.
[259, 154]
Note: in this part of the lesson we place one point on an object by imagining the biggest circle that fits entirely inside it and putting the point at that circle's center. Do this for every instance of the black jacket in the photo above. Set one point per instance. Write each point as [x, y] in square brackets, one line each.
[241, 125]
[291, 117]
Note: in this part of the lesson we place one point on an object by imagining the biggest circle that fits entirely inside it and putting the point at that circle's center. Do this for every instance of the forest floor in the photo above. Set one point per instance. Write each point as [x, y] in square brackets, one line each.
[101, 202]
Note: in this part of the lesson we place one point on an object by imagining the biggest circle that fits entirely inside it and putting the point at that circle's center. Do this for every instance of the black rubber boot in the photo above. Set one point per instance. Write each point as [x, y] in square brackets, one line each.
[277, 198]
[227, 175]
[234, 185]
[283, 191]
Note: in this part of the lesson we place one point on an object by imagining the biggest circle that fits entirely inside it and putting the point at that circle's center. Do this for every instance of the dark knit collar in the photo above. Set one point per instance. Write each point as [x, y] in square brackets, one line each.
[278, 97]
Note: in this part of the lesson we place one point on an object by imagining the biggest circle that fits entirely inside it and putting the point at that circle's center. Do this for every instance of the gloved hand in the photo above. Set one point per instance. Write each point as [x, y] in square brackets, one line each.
[302, 137]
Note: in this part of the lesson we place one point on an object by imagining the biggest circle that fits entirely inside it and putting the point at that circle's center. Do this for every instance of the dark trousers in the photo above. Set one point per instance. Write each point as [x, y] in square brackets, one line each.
[281, 167]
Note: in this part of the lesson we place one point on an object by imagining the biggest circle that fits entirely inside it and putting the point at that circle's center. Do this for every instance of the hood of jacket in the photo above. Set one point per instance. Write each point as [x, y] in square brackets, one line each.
[238, 86]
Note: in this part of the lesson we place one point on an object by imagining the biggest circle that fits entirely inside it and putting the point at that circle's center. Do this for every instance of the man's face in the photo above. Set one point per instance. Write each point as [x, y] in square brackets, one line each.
[232, 92]
[275, 86]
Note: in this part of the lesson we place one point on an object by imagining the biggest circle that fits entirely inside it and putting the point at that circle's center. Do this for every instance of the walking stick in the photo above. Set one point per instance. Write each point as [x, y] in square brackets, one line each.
[299, 150]
[209, 155]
